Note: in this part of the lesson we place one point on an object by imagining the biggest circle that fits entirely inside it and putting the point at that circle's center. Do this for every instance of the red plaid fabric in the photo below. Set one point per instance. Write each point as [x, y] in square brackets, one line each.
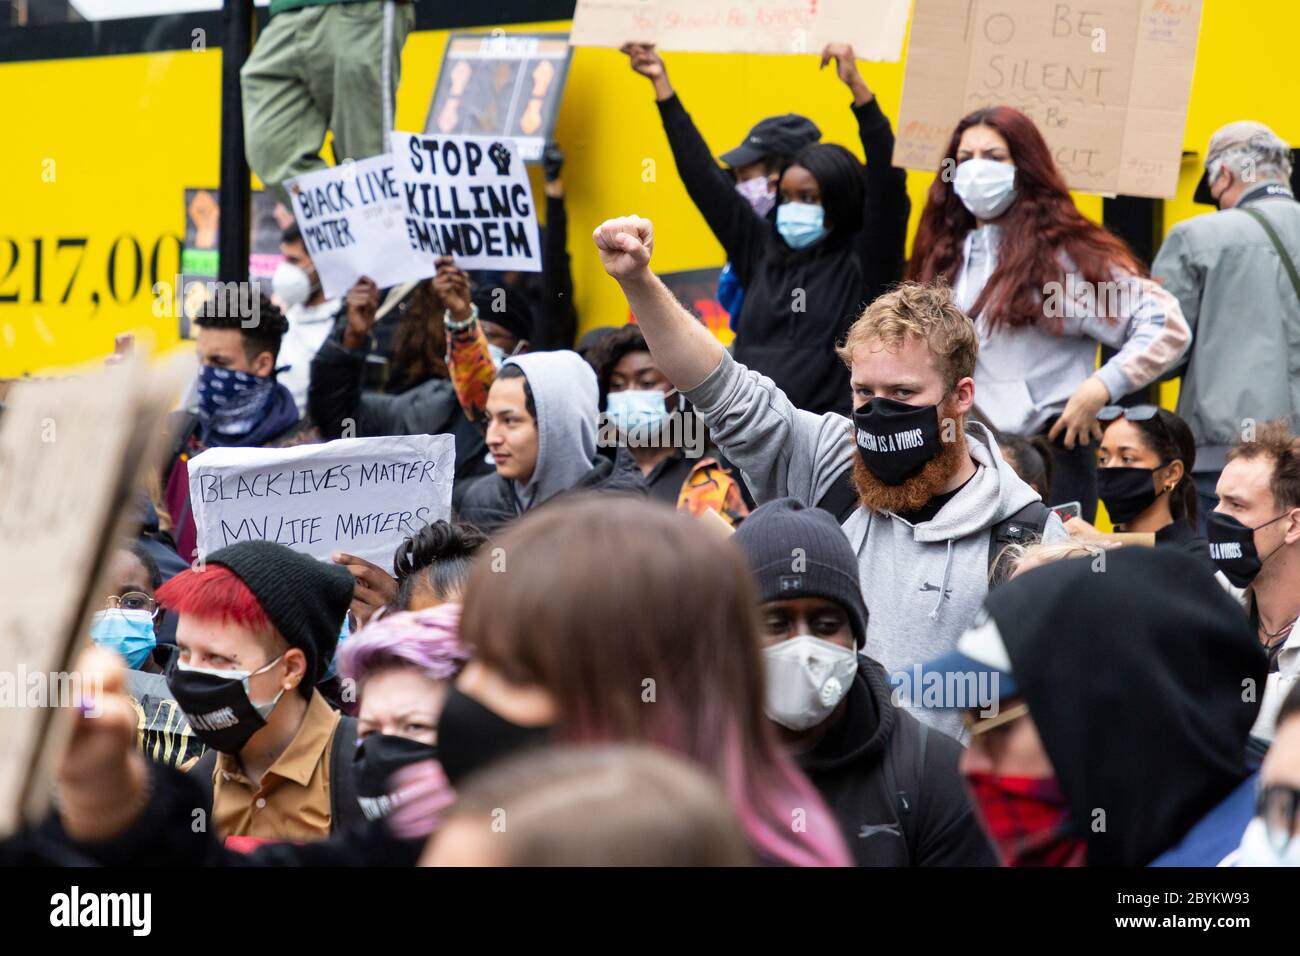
[1028, 820]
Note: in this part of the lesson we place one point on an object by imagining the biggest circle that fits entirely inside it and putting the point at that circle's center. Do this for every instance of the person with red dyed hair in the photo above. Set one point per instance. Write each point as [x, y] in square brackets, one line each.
[257, 629]
[1043, 285]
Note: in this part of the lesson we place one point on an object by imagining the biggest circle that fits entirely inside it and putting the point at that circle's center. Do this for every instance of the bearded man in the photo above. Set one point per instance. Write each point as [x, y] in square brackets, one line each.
[922, 492]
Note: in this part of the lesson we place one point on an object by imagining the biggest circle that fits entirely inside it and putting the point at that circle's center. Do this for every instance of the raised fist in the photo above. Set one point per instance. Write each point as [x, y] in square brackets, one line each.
[625, 245]
[499, 153]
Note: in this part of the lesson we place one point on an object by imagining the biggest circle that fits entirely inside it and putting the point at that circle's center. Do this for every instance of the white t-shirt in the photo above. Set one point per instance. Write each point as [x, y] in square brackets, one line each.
[308, 328]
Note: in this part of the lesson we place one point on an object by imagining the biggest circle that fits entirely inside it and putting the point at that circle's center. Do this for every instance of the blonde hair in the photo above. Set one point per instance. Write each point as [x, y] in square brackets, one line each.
[916, 310]
[1024, 556]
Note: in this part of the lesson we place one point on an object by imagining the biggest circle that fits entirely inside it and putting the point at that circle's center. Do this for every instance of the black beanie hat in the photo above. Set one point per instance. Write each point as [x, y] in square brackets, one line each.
[305, 599]
[824, 565]
[517, 316]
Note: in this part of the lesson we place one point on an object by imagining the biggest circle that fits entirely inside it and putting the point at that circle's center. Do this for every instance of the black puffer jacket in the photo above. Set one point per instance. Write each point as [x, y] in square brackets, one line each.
[893, 783]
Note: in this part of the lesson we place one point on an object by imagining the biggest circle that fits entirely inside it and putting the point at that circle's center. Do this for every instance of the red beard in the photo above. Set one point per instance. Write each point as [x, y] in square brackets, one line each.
[912, 494]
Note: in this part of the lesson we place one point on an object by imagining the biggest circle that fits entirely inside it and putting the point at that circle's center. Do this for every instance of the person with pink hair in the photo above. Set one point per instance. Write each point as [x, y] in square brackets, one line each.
[398, 668]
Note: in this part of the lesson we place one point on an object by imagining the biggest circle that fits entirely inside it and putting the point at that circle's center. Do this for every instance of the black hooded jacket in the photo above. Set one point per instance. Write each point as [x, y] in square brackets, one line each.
[1138, 678]
[490, 503]
[800, 303]
[893, 783]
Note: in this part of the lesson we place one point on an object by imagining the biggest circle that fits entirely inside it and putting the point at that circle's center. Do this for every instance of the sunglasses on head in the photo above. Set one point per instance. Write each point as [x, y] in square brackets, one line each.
[1138, 413]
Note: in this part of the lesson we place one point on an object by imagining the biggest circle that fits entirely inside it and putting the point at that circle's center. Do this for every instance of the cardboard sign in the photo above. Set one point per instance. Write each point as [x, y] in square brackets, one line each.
[71, 451]
[352, 221]
[358, 495]
[501, 85]
[875, 28]
[1106, 82]
[468, 197]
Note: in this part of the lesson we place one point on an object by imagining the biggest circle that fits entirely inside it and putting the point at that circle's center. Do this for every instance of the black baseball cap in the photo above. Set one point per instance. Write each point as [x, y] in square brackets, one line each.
[773, 136]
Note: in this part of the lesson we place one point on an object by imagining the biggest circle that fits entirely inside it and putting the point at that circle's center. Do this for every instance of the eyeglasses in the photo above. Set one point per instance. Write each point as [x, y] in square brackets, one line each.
[1279, 807]
[132, 601]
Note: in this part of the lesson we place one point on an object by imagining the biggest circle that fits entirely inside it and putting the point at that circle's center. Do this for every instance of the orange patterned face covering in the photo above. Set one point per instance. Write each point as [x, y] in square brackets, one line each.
[1028, 820]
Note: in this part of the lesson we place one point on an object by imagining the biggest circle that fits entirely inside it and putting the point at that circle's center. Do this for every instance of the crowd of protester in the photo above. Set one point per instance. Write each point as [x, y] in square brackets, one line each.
[837, 595]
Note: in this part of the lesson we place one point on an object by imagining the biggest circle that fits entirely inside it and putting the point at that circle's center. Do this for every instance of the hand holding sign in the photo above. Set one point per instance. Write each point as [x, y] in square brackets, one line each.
[374, 587]
[452, 286]
[363, 305]
[625, 245]
[846, 67]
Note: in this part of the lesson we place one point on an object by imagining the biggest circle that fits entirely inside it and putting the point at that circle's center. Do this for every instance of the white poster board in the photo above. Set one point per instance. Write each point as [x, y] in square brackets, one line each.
[352, 221]
[467, 197]
[361, 496]
[875, 28]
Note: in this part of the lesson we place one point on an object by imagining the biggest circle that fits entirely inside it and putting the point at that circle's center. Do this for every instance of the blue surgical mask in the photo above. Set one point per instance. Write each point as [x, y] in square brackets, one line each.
[129, 633]
[800, 223]
[633, 409]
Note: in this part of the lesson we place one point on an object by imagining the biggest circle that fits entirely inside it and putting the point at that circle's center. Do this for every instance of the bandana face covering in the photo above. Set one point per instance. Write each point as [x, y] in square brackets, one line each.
[232, 403]
[1028, 820]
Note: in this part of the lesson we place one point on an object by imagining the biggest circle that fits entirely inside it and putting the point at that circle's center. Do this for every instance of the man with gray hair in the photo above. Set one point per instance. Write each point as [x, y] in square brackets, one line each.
[1235, 276]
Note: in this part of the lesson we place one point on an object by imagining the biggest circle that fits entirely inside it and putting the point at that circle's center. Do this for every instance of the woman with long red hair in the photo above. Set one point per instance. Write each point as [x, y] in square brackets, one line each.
[1043, 285]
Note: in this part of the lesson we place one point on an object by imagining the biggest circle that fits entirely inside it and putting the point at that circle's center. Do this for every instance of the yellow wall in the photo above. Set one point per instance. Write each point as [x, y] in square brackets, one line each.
[128, 134]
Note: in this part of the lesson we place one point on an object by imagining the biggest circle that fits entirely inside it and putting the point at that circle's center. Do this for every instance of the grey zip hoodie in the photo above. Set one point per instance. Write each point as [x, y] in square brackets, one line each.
[922, 583]
[565, 393]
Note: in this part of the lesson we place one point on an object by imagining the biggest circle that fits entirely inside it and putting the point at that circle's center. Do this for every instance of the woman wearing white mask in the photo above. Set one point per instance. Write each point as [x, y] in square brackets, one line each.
[642, 411]
[892, 784]
[1044, 285]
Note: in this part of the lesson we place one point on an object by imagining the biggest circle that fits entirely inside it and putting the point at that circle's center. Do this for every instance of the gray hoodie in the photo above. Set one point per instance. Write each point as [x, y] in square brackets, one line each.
[565, 393]
[922, 583]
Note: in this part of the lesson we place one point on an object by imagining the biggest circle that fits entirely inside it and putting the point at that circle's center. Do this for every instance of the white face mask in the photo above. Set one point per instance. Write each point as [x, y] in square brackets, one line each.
[291, 285]
[987, 188]
[806, 678]
[498, 356]
[1257, 850]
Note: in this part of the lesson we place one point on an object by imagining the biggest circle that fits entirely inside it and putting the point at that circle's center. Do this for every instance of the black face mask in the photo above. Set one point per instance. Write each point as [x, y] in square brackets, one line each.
[471, 736]
[217, 705]
[378, 757]
[1232, 546]
[896, 440]
[1126, 492]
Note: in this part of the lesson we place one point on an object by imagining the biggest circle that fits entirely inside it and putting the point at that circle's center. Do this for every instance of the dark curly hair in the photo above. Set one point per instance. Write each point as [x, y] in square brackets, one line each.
[438, 557]
[260, 332]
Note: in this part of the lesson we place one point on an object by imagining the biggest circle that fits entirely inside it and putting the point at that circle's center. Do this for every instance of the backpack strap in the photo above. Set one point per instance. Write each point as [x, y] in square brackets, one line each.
[345, 806]
[1287, 263]
[202, 772]
[1024, 527]
[906, 765]
[841, 498]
